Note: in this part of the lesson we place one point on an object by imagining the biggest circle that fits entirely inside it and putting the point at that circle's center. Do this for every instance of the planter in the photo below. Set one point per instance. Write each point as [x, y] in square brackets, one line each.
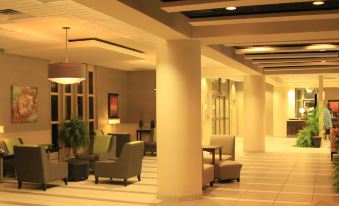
[316, 141]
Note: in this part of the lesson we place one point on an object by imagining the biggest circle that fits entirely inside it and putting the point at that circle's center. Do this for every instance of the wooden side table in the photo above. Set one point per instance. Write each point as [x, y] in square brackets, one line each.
[2, 152]
[142, 131]
[212, 149]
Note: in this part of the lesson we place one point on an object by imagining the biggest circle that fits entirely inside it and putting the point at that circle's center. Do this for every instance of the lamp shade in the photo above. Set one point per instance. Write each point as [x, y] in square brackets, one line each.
[301, 110]
[2, 129]
[114, 121]
[66, 73]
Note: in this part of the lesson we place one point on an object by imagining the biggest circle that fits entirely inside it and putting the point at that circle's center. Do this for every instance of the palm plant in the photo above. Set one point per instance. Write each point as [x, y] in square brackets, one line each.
[304, 136]
[74, 134]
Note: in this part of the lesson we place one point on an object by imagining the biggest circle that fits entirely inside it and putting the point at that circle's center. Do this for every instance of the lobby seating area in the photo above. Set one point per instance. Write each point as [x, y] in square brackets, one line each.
[169, 102]
[301, 178]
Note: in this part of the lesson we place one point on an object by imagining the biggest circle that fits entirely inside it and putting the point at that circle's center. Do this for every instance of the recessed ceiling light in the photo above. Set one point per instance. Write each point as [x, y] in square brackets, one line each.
[318, 3]
[231, 8]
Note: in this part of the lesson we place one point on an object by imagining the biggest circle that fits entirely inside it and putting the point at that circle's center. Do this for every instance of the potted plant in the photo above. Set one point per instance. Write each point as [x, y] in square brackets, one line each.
[74, 134]
[309, 135]
[313, 124]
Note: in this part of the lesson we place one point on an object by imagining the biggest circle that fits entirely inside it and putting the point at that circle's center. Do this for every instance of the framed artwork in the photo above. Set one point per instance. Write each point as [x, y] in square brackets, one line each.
[24, 104]
[113, 106]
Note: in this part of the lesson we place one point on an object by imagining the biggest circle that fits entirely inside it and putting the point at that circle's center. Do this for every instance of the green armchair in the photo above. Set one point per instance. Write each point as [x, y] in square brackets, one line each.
[32, 165]
[126, 166]
[101, 148]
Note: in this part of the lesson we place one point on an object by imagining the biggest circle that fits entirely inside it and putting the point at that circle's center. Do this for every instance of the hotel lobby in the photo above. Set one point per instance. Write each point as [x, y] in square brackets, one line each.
[169, 102]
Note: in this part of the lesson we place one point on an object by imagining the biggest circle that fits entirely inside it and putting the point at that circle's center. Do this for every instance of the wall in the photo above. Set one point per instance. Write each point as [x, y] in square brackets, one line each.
[23, 71]
[291, 103]
[331, 93]
[136, 98]
[280, 111]
[141, 96]
[268, 109]
[240, 108]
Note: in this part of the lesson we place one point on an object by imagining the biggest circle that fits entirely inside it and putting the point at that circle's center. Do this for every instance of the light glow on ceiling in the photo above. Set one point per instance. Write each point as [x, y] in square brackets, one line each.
[318, 3]
[259, 49]
[231, 8]
[321, 47]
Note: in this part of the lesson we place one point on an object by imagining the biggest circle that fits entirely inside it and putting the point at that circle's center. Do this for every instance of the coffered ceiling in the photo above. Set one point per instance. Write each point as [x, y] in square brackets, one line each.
[275, 38]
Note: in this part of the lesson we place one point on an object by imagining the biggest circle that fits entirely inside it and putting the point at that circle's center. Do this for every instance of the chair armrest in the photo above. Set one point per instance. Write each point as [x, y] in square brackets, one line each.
[102, 156]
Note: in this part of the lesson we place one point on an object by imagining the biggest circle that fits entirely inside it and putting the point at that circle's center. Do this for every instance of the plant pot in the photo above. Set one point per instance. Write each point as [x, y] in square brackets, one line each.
[316, 141]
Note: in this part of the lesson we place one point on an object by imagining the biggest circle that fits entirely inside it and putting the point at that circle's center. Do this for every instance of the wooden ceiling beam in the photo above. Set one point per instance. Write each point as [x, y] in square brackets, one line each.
[289, 56]
[272, 17]
[190, 5]
[278, 61]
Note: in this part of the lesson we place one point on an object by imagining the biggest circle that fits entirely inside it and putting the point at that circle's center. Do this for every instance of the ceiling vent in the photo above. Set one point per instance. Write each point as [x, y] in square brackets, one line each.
[7, 15]
[48, 1]
[9, 12]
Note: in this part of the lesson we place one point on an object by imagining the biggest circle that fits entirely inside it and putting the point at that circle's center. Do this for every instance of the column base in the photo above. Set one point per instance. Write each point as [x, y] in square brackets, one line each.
[179, 197]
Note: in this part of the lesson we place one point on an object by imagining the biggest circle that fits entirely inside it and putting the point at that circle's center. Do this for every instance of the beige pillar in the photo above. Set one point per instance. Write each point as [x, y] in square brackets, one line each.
[280, 111]
[321, 104]
[179, 120]
[254, 113]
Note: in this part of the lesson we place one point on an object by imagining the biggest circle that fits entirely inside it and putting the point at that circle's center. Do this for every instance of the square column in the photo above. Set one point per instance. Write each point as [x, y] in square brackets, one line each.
[179, 120]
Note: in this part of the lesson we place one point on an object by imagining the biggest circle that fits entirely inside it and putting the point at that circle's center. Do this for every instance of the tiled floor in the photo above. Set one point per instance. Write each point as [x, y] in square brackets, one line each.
[282, 176]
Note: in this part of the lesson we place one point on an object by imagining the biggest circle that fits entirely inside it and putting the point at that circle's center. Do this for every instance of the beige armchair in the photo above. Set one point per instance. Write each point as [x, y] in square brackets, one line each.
[228, 147]
[126, 166]
[207, 174]
[32, 165]
[101, 148]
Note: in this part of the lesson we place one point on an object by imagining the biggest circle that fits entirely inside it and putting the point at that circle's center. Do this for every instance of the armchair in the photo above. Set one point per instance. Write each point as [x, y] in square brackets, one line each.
[9, 160]
[101, 148]
[228, 147]
[126, 166]
[32, 165]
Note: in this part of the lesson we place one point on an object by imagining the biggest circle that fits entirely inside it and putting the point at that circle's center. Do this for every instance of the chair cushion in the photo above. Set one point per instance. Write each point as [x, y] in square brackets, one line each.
[10, 143]
[101, 143]
[98, 132]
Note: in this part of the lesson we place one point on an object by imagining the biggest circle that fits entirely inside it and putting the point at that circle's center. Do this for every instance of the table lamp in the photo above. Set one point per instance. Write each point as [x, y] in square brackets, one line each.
[2, 129]
[114, 122]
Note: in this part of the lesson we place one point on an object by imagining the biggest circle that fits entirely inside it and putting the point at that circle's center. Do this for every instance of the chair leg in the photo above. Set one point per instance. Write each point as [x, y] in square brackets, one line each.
[44, 187]
[125, 182]
[19, 184]
[139, 179]
[211, 184]
[65, 181]
[96, 180]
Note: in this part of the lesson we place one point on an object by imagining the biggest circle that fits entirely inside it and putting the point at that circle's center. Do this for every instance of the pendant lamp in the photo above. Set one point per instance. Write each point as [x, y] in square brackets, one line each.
[66, 73]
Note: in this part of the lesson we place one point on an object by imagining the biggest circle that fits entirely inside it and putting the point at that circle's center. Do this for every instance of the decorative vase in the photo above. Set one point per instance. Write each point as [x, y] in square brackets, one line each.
[141, 124]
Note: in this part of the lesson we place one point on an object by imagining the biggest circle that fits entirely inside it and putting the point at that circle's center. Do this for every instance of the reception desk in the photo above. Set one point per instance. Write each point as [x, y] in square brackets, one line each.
[293, 126]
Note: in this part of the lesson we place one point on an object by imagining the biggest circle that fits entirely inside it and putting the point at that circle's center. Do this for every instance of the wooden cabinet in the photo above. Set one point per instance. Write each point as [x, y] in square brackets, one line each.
[293, 126]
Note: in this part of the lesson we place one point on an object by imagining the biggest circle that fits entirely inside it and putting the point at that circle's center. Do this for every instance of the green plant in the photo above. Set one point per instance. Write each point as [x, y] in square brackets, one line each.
[74, 134]
[336, 173]
[304, 136]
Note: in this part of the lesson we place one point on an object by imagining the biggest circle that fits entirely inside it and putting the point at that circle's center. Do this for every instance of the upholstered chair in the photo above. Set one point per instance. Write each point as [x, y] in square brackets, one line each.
[126, 166]
[228, 148]
[9, 159]
[101, 148]
[32, 165]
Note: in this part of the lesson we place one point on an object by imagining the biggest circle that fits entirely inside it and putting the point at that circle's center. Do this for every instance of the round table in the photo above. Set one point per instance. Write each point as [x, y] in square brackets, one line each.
[78, 169]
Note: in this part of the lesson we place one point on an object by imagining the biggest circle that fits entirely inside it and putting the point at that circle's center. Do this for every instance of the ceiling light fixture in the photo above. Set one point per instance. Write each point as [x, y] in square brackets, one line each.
[318, 3]
[231, 8]
[66, 73]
